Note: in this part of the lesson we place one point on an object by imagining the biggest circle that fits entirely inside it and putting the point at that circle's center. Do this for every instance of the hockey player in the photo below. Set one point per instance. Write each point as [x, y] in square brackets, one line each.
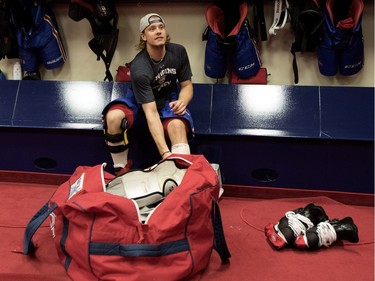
[161, 91]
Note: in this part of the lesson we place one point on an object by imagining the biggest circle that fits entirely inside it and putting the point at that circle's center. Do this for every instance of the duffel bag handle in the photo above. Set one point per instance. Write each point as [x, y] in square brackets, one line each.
[33, 226]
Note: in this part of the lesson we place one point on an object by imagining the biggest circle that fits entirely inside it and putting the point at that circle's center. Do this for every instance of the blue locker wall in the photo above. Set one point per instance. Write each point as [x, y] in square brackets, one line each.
[305, 137]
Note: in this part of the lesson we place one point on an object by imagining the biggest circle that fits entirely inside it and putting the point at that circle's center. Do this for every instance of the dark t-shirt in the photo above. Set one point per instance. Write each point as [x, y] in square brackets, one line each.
[156, 81]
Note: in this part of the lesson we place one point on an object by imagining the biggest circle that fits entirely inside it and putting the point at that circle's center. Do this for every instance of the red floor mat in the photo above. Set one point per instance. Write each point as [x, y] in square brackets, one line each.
[243, 219]
[19, 203]
[254, 259]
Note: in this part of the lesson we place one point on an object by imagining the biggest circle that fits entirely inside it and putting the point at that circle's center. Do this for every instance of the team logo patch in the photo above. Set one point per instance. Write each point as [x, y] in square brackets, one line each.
[77, 186]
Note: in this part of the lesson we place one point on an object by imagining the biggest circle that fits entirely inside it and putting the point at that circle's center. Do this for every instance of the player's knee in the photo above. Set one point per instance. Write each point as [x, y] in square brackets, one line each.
[177, 126]
[113, 121]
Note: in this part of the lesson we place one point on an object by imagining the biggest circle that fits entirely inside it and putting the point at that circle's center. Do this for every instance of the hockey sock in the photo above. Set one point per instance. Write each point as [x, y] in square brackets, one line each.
[181, 148]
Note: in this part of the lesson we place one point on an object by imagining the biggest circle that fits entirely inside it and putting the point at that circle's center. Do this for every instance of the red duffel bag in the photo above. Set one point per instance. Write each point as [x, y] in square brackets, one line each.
[101, 236]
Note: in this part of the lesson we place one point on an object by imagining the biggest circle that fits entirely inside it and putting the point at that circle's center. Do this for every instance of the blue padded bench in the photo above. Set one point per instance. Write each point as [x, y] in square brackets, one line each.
[304, 137]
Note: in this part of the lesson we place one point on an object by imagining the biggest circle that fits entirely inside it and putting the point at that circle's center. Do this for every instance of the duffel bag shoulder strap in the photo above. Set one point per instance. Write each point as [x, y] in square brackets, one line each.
[220, 244]
[84, 179]
[33, 226]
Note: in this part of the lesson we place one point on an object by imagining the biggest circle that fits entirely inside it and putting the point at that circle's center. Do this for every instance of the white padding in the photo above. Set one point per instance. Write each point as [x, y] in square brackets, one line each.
[148, 186]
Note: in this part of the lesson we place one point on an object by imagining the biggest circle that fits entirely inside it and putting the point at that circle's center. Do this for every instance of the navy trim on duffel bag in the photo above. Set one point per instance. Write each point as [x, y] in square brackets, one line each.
[64, 237]
[138, 250]
[33, 225]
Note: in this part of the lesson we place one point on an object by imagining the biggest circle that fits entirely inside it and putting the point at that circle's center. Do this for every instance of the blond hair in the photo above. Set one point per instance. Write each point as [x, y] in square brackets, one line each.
[142, 44]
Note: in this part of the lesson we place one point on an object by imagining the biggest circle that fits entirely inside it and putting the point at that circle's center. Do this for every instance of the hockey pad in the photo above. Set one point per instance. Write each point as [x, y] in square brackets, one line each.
[148, 186]
[245, 56]
[327, 60]
[221, 38]
[246, 60]
[215, 65]
[352, 57]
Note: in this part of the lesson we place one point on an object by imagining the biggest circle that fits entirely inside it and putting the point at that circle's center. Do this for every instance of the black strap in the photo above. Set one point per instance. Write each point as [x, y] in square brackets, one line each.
[220, 244]
[33, 226]
[205, 34]
[105, 43]
[295, 67]
[259, 20]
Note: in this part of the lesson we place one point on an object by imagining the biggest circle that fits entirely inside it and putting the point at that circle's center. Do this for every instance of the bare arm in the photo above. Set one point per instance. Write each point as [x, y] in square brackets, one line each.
[186, 94]
[155, 126]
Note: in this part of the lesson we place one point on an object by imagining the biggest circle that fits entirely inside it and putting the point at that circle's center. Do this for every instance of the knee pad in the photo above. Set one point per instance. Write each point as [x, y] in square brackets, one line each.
[115, 138]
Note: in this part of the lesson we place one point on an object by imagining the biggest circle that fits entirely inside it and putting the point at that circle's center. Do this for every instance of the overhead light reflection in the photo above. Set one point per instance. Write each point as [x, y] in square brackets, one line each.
[269, 102]
[83, 98]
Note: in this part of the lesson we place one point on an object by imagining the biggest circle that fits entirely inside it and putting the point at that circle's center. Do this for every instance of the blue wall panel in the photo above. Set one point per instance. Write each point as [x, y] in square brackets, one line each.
[8, 96]
[201, 108]
[51, 150]
[257, 110]
[291, 162]
[58, 104]
[347, 113]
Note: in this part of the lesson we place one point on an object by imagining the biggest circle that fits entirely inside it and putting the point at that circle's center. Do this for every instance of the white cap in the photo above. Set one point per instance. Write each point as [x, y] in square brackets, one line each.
[145, 21]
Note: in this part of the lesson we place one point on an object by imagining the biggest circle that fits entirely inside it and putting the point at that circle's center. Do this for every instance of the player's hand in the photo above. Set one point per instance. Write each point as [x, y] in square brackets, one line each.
[178, 107]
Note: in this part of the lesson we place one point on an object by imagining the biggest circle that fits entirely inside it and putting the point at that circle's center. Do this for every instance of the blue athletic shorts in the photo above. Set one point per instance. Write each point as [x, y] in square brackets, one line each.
[139, 117]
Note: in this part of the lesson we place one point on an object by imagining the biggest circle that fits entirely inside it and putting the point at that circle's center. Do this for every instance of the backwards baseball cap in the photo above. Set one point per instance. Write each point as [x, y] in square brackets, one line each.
[146, 21]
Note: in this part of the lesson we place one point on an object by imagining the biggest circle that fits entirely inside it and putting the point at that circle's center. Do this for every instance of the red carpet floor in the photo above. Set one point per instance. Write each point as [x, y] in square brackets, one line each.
[254, 259]
[243, 218]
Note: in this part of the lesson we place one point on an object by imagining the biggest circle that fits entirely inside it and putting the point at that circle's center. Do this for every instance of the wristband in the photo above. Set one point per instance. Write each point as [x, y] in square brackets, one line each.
[165, 153]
